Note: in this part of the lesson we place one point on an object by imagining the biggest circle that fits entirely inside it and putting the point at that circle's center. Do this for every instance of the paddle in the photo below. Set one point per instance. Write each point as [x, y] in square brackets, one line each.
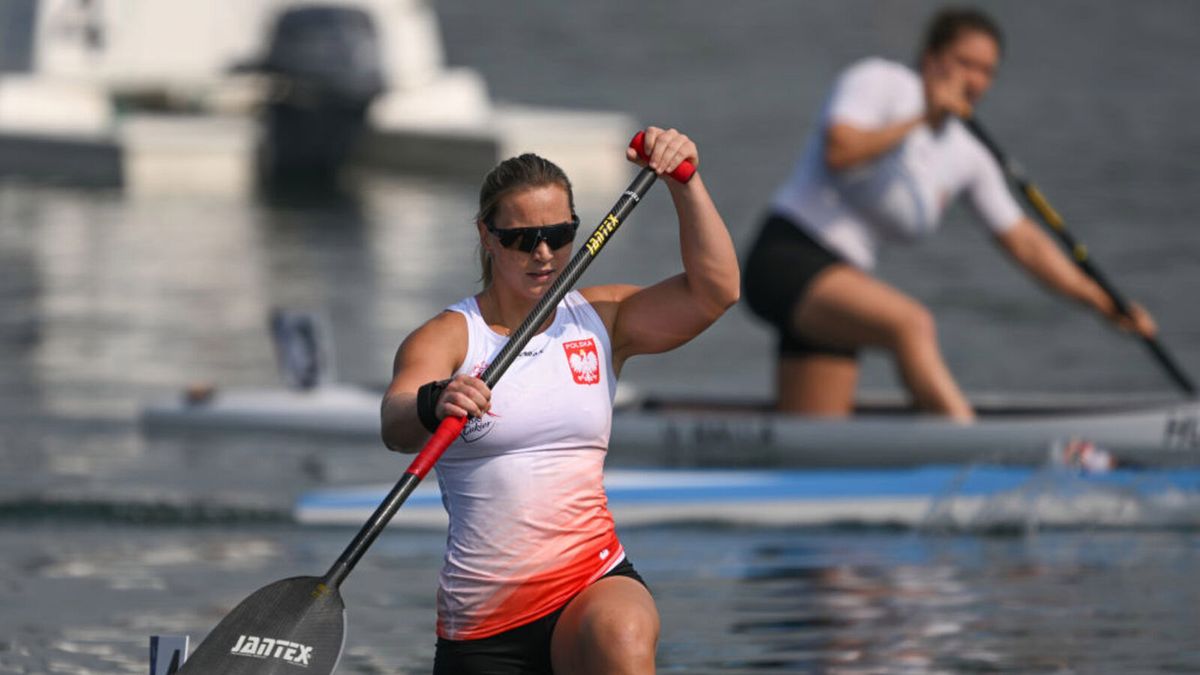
[1078, 251]
[297, 625]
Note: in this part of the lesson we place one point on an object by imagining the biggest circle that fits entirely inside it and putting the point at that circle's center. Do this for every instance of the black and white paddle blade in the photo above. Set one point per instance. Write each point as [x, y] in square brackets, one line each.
[294, 626]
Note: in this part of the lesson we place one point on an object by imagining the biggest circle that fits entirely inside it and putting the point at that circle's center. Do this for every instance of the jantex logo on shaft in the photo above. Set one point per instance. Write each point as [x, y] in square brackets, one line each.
[600, 236]
[270, 648]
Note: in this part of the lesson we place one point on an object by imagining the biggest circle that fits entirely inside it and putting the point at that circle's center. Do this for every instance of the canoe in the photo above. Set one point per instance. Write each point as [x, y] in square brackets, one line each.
[1015, 429]
[1023, 429]
[960, 497]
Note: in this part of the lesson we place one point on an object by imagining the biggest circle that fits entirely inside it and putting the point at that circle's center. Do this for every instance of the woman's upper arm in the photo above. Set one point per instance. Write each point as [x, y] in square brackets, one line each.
[990, 195]
[650, 319]
[432, 352]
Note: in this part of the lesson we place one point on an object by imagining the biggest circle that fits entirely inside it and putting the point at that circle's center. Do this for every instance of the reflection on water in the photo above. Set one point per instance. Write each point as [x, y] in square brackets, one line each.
[856, 619]
[106, 299]
[871, 602]
[733, 600]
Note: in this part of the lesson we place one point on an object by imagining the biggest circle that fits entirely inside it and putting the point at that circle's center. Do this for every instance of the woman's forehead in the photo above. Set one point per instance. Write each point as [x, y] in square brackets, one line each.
[974, 40]
[535, 201]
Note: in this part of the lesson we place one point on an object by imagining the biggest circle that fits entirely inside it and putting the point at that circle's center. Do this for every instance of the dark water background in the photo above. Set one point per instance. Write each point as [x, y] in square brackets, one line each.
[108, 535]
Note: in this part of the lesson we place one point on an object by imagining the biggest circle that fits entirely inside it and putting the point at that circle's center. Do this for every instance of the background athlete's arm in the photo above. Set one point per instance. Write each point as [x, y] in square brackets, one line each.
[1035, 251]
[849, 144]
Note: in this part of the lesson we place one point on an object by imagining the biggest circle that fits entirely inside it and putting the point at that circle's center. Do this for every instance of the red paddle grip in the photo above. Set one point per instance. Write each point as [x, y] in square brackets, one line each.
[682, 173]
[446, 433]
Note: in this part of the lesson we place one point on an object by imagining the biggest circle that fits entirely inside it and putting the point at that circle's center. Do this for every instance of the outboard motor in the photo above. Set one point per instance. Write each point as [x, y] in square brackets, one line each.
[325, 69]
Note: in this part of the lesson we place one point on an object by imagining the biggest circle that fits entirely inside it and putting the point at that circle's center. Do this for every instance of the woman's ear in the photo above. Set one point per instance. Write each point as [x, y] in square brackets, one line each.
[484, 241]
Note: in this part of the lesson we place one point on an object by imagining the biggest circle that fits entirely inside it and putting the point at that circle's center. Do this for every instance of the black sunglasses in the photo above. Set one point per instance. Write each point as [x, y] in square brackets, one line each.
[527, 238]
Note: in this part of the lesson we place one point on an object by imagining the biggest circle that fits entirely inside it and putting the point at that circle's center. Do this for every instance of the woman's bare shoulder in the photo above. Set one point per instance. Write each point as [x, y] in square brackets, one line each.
[441, 337]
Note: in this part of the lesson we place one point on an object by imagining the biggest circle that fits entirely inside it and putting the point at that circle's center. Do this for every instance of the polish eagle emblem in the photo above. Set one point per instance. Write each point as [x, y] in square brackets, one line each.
[584, 360]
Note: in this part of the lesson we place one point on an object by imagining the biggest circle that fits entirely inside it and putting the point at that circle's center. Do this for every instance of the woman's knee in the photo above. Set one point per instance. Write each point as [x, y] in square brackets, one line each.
[628, 635]
[913, 326]
[612, 628]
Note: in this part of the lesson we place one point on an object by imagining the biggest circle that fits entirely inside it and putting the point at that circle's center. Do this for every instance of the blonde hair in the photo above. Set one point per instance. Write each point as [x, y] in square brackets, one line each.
[517, 173]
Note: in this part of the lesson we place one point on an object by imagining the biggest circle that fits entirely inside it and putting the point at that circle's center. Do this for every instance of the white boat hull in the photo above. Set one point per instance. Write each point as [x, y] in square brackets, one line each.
[1136, 431]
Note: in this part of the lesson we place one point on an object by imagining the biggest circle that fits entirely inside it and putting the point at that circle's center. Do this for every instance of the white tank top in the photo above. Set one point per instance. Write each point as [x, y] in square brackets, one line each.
[529, 520]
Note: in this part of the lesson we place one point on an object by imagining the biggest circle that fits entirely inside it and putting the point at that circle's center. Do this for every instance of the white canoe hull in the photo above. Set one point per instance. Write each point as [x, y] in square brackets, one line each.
[1138, 431]
[1164, 435]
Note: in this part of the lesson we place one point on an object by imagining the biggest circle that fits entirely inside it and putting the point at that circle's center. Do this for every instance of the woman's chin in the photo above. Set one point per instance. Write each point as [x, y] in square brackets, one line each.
[538, 285]
[538, 292]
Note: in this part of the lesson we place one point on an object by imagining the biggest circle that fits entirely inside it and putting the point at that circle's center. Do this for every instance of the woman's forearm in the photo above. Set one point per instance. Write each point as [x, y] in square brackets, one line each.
[709, 259]
[847, 146]
[401, 429]
[1042, 258]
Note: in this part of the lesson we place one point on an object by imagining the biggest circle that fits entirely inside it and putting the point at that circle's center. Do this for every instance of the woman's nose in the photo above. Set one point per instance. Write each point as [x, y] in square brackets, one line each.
[542, 251]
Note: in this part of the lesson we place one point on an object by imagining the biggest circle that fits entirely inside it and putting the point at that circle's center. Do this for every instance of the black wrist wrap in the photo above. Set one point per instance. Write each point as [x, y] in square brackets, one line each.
[427, 398]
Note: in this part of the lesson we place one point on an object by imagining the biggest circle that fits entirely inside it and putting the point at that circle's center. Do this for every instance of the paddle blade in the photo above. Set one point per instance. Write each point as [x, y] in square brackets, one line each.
[292, 626]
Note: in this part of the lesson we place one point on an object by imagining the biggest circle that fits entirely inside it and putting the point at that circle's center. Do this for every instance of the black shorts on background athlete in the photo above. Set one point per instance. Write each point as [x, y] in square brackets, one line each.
[782, 264]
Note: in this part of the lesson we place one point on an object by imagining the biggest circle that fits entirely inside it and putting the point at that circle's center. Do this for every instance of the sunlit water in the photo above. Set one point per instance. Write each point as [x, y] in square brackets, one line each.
[108, 535]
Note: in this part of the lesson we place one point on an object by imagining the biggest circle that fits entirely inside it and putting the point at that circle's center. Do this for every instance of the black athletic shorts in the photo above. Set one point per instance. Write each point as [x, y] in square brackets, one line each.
[521, 650]
[782, 264]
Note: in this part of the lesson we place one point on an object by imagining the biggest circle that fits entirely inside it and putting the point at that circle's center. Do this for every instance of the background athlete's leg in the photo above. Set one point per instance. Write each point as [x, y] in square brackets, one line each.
[847, 308]
[816, 384]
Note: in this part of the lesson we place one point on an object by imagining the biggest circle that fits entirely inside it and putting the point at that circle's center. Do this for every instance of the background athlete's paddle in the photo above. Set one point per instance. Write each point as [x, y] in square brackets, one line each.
[1077, 250]
[297, 625]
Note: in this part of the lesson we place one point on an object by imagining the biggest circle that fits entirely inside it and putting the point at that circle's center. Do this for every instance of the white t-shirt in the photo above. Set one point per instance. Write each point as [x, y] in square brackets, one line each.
[901, 195]
[524, 485]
